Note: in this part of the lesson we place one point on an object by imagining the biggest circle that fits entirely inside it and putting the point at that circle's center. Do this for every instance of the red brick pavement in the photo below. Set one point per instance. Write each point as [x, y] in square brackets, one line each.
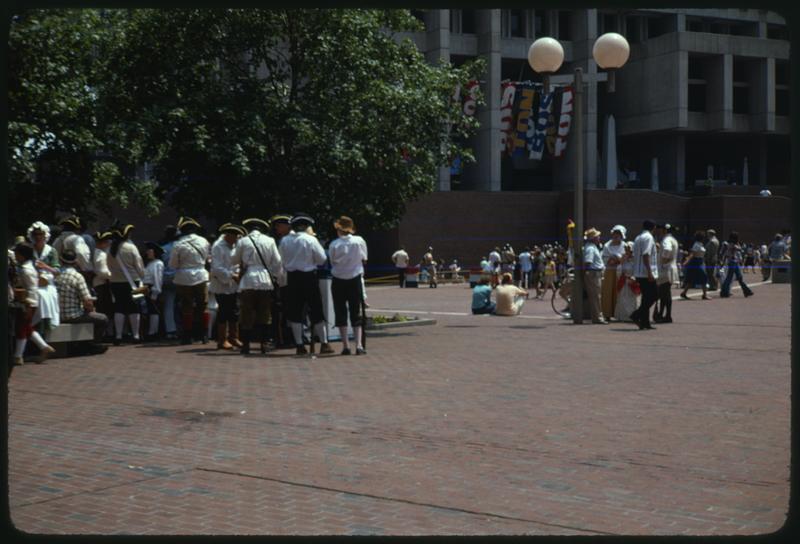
[477, 425]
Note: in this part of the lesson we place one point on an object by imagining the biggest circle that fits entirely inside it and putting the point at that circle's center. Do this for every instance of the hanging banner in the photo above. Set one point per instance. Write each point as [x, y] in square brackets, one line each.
[564, 122]
[523, 105]
[537, 126]
[469, 104]
[508, 90]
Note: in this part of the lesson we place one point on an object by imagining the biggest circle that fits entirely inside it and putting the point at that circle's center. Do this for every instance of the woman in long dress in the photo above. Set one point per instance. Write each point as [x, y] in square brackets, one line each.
[627, 288]
[47, 265]
[612, 256]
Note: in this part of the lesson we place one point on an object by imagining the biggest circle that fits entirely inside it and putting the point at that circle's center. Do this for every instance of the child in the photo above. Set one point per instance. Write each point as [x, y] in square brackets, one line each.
[153, 277]
[549, 276]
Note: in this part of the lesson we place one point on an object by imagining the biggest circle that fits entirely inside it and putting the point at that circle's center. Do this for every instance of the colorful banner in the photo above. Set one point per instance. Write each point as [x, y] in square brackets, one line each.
[523, 105]
[564, 122]
[537, 126]
[508, 91]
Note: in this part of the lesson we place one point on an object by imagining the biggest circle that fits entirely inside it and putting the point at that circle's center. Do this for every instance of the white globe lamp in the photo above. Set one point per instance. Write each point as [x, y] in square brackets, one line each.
[610, 52]
[545, 56]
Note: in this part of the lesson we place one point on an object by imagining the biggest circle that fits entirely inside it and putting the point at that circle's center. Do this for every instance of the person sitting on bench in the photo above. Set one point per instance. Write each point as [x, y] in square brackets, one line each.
[75, 301]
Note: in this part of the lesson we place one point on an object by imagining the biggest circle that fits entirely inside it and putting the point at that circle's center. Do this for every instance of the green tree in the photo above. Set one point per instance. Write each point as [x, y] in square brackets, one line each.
[58, 156]
[251, 112]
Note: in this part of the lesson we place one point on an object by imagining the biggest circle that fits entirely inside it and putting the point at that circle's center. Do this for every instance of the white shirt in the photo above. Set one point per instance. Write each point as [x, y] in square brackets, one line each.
[75, 242]
[153, 275]
[255, 276]
[591, 257]
[101, 271]
[400, 258]
[525, 261]
[610, 250]
[222, 268]
[301, 252]
[347, 253]
[644, 244]
[698, 249]
[188, 258]
[668, 260]
[494, 258]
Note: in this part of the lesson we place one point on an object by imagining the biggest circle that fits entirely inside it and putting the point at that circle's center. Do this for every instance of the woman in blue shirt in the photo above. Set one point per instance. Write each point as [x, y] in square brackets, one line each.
[482, 298]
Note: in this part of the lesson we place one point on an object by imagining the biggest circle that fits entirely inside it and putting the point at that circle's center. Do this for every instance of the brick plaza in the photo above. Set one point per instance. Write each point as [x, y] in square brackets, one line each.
[475, 425]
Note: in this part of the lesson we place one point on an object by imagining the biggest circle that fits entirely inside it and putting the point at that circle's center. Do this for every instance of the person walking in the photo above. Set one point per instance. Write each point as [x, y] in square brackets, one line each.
[645, 270]
[593, 274]
[400, 259]
[224, 283]
[430, 266]
[667, 273]
[189, 258]
[26, 293]
[261, 272]
[525, 267]
[711, 259]
[612, 254]
[695, 272]
[733, 258]
[301, 254]
[347, 253]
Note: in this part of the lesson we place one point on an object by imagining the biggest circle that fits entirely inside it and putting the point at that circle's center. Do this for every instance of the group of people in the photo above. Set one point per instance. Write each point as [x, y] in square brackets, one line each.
[261, 277]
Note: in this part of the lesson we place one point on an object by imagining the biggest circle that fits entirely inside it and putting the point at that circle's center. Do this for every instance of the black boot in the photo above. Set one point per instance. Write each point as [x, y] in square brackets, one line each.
[244, 337]
[186, 338]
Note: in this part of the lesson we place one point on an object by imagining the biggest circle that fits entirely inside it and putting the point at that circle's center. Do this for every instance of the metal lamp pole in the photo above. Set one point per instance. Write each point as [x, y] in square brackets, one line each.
[577, 244]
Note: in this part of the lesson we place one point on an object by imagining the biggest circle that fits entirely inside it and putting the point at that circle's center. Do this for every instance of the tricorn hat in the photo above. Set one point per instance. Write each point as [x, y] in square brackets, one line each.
[121, 230]
[255, 223]
[280, 218]
[301, 217]
[103, 235]
[72, 221]
[230, 228]
[185, 221]
[345, 224]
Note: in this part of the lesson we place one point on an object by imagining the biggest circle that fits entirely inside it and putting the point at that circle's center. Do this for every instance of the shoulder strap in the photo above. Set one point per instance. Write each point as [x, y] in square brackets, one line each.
[195, 248]
[261, 258]
[125, 271]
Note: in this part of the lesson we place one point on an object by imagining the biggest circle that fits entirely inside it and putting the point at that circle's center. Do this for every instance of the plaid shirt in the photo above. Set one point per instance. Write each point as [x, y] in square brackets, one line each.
[72, 291]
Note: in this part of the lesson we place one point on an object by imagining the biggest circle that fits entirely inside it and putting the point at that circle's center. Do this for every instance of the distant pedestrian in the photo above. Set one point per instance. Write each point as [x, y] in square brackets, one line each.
[733, 259]
[628, 289]
[429, 264]
[400, 259]
[494, 260]
[694, 265]
[525, 267]
[593, 274]
[612, 256]
[711, 259]
[645, 270]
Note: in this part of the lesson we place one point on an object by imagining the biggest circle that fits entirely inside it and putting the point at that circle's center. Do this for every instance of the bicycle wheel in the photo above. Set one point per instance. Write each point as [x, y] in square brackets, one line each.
[566, 287]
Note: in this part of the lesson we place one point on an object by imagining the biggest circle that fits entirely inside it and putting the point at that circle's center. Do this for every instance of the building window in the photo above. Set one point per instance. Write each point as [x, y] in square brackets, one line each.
[744, 29]
[540, 26]
[741, 103]
[782, 102]
[719, 27]
[633, 31]
[657, 26]
[694, 25]
[608, 23]
[565, 25]
[455, 21]
[513, 23]
[697, 68]
[697, 97]
[777, 32]
[781, 72]
[468, 21]
[782, 96]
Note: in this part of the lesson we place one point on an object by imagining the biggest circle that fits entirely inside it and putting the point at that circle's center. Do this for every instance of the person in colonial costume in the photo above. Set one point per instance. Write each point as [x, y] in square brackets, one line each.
[153, 279]
[71, 238]
[189, 257]
[48, 267]
[26, 293]
[101, 282]
[260, 269]
[348, 253]
[127, 270]
[224, 283]
[301, 254]
[667, 273]
[612, 254]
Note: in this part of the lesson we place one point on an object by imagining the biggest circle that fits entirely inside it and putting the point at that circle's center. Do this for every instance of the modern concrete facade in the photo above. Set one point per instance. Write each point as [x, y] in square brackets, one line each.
[702, 90]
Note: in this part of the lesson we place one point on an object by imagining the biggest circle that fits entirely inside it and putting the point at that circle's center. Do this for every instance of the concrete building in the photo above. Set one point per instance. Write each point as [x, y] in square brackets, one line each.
[703, 90]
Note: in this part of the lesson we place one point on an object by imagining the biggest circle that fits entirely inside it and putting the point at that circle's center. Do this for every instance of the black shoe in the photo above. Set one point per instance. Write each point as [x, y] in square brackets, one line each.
[301, 350]
[117, 341]
[648, 326]
[724, 296]
[186, 339]
[361, 351]
[204, 339]
[346, 351]
[96, 349]
[666, 320]
[263, 348]
[657, 319]
[748, 294]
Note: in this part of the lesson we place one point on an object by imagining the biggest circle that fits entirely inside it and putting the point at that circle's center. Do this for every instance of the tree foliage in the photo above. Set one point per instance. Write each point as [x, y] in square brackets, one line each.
[245, 112]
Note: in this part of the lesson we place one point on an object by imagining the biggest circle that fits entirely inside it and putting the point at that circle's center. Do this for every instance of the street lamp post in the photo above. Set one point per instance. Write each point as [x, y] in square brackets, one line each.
[545, 56]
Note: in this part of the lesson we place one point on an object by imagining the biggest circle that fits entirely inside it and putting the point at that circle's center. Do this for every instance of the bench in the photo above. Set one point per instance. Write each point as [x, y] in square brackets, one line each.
[67, 333]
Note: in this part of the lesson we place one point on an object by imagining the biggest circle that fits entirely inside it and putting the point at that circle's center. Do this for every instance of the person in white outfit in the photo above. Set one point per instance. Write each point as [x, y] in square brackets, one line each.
[302, 254]
[261, 268]
[153, 279]
[348, 253]
[224, 283]
[127, 271]
[48, 266]
[189, 258]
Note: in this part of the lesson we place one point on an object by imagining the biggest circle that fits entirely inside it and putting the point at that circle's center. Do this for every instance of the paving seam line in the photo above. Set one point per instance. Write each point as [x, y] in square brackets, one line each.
[405, 501]
[98, 490]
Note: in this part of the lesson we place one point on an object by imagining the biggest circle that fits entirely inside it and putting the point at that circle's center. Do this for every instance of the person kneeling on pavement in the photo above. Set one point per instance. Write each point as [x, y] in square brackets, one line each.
[75, 301]
[510, 298]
